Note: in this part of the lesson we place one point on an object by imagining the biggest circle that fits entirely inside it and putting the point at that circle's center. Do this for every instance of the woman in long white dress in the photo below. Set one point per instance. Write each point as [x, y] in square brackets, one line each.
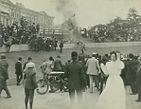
[113, 95]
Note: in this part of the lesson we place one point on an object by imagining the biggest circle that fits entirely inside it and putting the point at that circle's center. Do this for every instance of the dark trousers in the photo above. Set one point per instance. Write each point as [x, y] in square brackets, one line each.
[88, 81]
[61, 86]
[5, 88]
[29, 95]
[72, 94]
[94, 79]
[139, 93]
[102, 82]
[19, 78]
[55, 48]
[61, 50]
[133, 87]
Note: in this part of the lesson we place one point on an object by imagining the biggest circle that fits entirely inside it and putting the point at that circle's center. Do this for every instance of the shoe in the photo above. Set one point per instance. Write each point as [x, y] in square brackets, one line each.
[138, 100]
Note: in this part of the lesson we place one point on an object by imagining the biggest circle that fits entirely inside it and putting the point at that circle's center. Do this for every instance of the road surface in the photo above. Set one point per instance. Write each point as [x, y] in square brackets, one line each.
[57, 100]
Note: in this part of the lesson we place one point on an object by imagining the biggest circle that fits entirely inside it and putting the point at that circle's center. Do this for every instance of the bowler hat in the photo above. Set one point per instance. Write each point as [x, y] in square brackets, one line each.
[74, 54]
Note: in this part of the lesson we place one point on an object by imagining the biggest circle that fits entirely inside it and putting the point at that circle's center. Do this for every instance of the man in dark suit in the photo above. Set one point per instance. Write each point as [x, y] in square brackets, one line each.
[61, 46]
[139, 80]
[4, 75]
[131, 73]
[19, 70]
[74, 73]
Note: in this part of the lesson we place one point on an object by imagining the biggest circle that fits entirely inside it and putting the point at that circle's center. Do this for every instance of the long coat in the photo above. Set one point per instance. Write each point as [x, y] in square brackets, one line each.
[132, 70]
[139, 77]
[75, 74]
[18, 68]
[3, 73]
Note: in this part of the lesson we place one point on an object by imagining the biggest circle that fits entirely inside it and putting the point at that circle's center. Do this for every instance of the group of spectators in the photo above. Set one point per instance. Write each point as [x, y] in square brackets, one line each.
[130, 74]
[85, 70]
[45, 43]
[27, 33]
[19, 33]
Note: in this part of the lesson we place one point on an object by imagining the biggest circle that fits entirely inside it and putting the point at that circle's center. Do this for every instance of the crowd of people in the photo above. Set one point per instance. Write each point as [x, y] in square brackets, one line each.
[110, 73]
[45, 43]
[24, 32]
[19, 32]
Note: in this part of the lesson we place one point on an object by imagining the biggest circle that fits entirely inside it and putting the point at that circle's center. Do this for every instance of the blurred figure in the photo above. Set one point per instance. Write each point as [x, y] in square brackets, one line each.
[93, 71]
[8, 44]
[33, 29]
[19, 70]
[4, 75]
[55, 44]
[58, 66]
[1, 41]
[29, 84]
[131, 71]
[75, 74]
[61, 46]
[43, 68]
[113, 96]
[103, 75]
[139, 80]
[123, 72]
[29, 60]
[50, 65]
[37, 28]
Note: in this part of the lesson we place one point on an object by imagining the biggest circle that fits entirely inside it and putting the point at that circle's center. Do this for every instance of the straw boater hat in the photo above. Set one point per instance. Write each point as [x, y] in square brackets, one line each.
[30, 65]
[94, 53]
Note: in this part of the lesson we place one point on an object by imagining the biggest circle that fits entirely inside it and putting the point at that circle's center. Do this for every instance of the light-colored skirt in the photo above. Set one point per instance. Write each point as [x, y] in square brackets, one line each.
[113, 95]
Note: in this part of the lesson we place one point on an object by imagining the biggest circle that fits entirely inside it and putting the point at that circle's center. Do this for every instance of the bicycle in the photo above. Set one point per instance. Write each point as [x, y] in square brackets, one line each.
[52, 81]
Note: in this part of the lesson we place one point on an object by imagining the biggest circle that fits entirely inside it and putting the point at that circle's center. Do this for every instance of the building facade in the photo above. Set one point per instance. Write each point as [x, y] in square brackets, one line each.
[10, 13]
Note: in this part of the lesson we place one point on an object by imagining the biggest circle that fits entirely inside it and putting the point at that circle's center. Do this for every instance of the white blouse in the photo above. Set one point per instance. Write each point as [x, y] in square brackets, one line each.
[114, 67]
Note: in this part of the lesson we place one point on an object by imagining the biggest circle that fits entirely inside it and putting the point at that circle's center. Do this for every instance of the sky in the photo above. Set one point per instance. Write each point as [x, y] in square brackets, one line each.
[87, 12]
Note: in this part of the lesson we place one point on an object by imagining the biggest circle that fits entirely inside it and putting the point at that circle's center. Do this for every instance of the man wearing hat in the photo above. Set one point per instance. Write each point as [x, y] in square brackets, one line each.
[93, 70]
[4, 75]
[75, 75]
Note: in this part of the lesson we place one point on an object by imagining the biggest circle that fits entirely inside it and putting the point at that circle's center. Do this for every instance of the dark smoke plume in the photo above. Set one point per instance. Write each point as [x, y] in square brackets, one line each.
[68, 8]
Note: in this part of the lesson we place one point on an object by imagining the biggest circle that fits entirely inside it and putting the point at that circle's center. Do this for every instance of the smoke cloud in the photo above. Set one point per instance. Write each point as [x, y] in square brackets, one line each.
[68, 9]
